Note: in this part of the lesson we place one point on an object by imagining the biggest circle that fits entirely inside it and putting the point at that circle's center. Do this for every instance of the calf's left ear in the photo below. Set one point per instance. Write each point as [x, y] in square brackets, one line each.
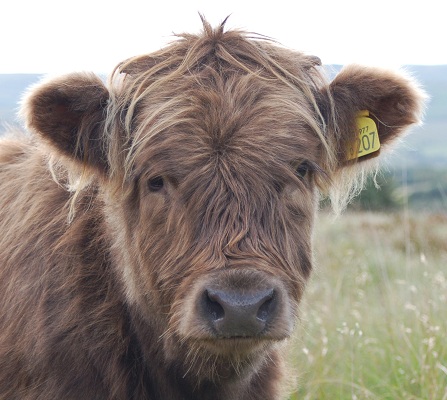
[392, 100]
[69, 114]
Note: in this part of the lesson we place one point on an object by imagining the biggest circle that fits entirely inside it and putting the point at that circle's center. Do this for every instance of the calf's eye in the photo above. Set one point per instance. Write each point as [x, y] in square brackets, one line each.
[302, 169]
[156, 184]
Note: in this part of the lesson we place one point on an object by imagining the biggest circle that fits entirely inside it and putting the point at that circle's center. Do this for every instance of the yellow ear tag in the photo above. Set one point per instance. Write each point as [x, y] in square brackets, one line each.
[368, 139]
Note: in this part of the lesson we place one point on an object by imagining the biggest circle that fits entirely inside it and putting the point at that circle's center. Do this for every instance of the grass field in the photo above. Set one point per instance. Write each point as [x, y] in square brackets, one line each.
[374, 318]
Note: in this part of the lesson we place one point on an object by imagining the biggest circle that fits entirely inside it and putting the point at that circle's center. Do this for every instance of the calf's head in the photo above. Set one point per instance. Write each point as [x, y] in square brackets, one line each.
[210, 155]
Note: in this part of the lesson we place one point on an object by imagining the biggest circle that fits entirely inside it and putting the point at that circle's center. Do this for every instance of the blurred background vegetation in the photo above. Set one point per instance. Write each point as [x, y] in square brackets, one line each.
[373, 318]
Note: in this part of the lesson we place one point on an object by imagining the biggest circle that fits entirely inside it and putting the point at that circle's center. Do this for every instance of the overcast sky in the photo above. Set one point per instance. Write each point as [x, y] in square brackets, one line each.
[40, 36]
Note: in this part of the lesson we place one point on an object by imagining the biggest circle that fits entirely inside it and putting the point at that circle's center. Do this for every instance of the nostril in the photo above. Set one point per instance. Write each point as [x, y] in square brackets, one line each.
[212, 306]
[266, 307]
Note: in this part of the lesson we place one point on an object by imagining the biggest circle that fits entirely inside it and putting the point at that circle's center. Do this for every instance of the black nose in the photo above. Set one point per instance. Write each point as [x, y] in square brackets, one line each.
[238, 313]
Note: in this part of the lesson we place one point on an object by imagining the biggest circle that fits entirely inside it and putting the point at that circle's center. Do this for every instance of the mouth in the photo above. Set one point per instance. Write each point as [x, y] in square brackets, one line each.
[224, 358]
[237, 346]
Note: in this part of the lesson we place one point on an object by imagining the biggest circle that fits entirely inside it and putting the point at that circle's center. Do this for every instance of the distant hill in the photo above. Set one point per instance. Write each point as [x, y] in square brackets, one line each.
[426, 146]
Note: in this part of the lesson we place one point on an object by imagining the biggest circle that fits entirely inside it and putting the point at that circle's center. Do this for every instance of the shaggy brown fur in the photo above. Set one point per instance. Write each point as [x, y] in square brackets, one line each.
[137, 212]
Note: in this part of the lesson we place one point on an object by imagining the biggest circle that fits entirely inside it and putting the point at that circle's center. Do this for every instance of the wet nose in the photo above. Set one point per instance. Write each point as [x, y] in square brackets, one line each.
[238, 313]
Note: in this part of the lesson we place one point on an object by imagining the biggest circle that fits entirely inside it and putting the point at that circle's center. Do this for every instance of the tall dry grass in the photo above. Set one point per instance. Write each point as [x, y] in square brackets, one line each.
[374, 318]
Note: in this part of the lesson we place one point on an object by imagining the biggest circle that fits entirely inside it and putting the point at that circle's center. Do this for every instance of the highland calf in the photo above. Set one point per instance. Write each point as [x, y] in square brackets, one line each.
[156, 232]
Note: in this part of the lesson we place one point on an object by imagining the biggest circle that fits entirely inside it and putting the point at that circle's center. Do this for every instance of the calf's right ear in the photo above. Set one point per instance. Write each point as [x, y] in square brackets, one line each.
[69, 114]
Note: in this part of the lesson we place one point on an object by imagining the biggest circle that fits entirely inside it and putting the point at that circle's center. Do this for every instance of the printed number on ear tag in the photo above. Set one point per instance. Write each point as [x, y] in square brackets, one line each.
[368, 138]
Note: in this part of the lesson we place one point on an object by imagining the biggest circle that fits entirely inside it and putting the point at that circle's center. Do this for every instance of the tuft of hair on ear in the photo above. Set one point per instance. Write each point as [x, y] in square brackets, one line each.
[68, 113]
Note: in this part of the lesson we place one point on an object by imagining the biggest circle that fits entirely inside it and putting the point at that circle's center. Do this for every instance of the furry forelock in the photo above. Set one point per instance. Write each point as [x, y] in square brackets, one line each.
[214, 83]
